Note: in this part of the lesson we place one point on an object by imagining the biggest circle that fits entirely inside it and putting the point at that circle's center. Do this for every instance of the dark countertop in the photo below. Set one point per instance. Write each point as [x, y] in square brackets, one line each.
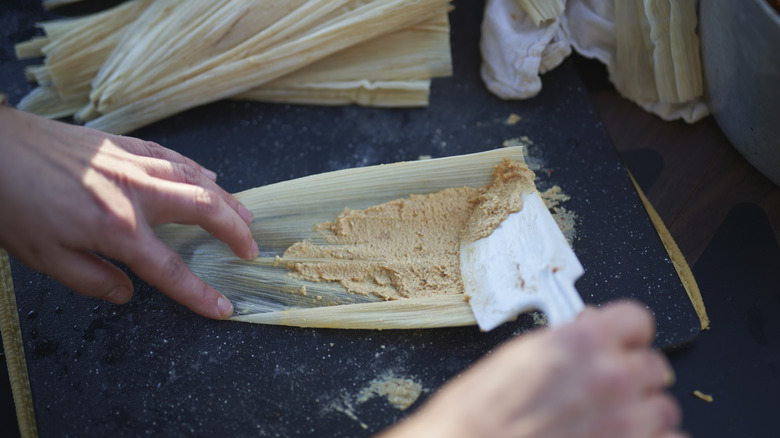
[725, 218]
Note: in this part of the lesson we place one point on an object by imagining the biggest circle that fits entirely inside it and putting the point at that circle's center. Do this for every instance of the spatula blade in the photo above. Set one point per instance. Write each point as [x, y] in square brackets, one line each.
[524, 264]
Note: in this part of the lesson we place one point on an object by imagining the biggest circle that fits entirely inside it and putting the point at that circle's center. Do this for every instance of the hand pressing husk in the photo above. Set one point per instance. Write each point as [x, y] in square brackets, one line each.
[155, 58]
[264, 291]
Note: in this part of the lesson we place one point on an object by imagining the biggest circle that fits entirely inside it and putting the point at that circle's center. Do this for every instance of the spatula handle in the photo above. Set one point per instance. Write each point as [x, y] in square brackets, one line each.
[564, 302]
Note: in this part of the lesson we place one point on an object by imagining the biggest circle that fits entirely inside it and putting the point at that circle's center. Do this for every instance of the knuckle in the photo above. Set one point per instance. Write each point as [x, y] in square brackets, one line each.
[117, 223]
[186, 173]
[174, 270]
[151, 149]
[583, 338]
[611, 381]
[206, 202]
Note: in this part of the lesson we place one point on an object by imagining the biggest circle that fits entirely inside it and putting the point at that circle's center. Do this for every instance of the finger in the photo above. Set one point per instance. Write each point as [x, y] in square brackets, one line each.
[621, 325]
[195, 205]
[630, 324]
[159, 266]
[90, 275]
[617, 378]
[652, 369]
[155, 151]
[189, 174]
[675, 434]
[658, 415]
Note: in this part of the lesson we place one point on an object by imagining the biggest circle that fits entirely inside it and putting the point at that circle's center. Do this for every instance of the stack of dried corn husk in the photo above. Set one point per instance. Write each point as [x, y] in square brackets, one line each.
[265, 291]
[658, 56]
[144, 60]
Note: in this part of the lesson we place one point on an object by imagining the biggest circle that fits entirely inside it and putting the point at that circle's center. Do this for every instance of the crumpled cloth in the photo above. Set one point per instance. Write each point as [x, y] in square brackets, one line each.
[515, 52]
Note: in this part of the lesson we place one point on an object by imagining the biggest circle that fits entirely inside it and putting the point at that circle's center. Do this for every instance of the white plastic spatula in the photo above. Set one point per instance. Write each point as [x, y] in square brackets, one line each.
[524, 264]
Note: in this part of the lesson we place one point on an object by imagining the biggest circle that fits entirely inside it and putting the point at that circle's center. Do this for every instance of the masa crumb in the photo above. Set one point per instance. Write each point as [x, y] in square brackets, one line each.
[553, 196]
[566, 220]
[513, 119]
[400, 392]
[702, 396]
[518, 141]
[540, 319]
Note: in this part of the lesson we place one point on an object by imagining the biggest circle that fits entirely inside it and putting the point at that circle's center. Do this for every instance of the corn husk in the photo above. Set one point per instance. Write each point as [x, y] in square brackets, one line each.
[542, 10]
[31, 48]
[658, 51]
[265, 291]
[103, 61]
[131, 91]
[47, 102]
[634, 55]
[74, 48]
[367, 93]
[368, 73]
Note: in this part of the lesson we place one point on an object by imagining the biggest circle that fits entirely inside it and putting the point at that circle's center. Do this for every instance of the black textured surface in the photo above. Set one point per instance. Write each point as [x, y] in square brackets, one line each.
[152, 367]
[737, 361]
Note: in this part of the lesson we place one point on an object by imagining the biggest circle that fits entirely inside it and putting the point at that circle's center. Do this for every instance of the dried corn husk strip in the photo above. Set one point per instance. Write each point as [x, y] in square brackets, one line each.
[685, 50]
[658, 14]
[176, 40]
[542, 10]
[75, 57]
[57, 28]
[634, 58]
[421, 51]
[286, 213]
[434, 312]
[31, 48]
[657, 51]
[38, 74]
[368, 73]
[361, 24]
[233, 30]
[371, 73]
[378, 94]
[75, 49]
[78, 47]
[676, 54]
[46, 102]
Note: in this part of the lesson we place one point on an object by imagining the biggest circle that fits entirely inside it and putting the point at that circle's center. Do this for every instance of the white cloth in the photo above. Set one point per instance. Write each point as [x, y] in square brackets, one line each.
[515, 51]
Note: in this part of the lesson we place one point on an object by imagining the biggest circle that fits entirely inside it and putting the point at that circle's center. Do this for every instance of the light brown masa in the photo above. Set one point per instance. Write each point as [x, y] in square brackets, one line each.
[409, 247]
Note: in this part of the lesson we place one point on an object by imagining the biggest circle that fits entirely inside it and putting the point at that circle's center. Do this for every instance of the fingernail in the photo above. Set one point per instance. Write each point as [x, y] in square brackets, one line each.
[224, 306]
[118, 295]
[255, 250]
[209, 173]
[670, 377]
[245, 214]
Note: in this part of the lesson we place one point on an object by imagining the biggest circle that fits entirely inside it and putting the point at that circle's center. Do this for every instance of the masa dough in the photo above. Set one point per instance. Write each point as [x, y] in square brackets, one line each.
[409, 248]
